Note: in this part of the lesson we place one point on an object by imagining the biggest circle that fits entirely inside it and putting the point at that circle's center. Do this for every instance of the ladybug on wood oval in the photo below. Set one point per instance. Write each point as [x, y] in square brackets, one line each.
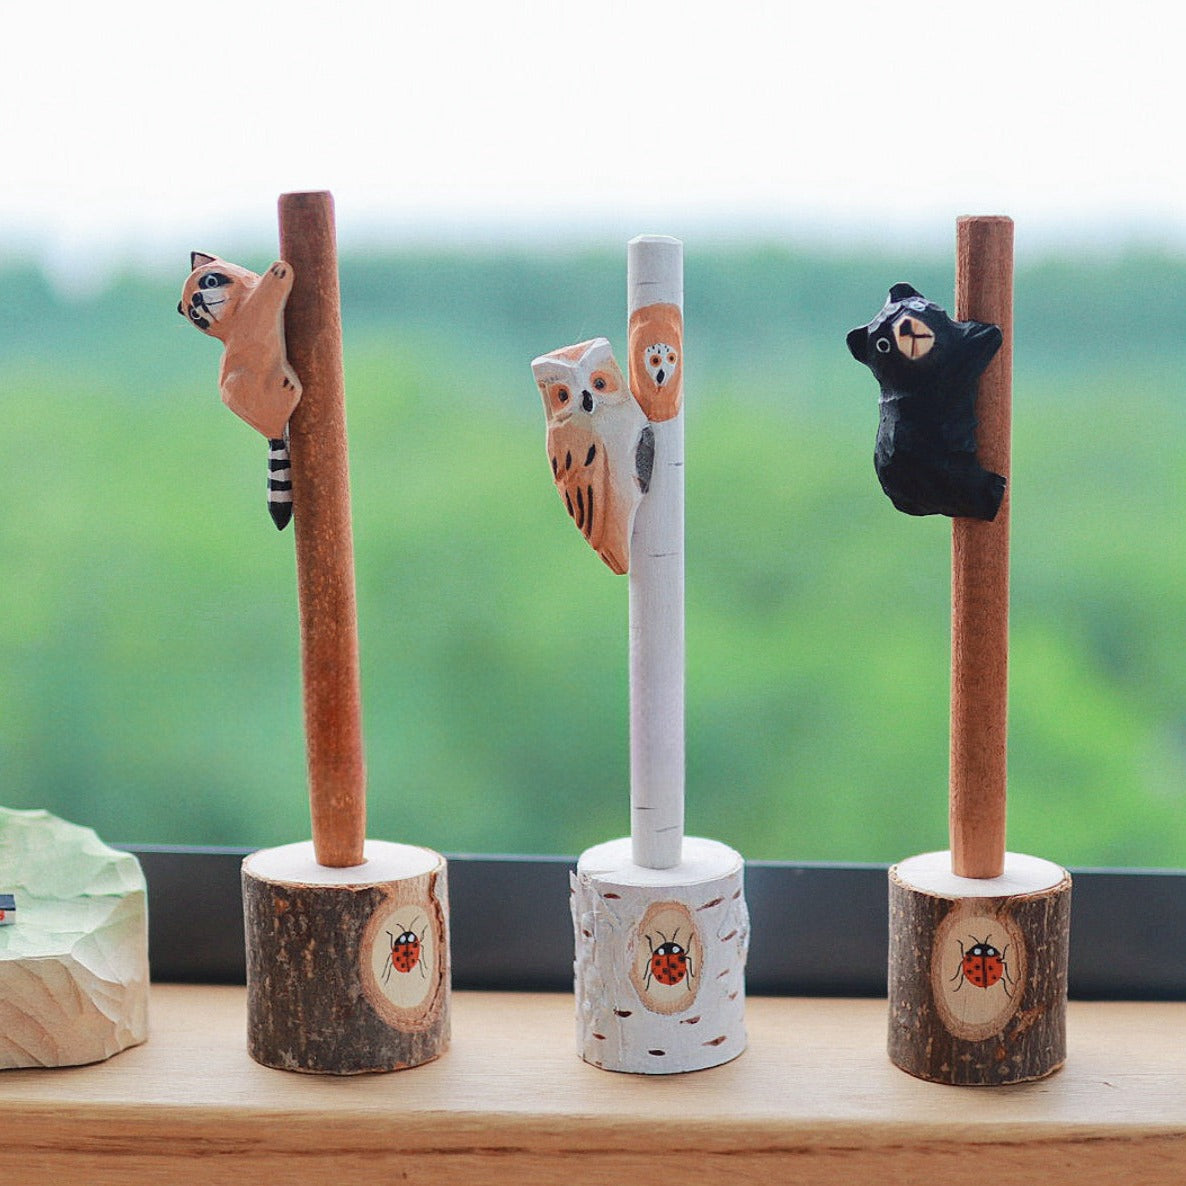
[982, 965]
[406, 948]
[670, 962]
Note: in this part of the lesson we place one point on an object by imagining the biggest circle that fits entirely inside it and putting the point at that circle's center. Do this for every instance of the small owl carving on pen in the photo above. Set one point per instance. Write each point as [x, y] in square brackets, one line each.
[928, 367]
[246, 313]
[656, 342]
[600, 445]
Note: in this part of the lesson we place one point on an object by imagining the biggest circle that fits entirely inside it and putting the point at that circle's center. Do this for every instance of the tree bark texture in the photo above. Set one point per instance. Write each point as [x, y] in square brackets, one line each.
[343, 979]
[978, 985]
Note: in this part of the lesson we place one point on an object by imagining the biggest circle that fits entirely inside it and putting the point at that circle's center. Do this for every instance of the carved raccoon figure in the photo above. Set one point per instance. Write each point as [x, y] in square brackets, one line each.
[246, 313]
[928, 367]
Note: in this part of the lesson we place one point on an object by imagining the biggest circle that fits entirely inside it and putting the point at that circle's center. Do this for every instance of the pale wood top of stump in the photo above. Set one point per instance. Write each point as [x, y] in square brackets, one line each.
[813, 1100]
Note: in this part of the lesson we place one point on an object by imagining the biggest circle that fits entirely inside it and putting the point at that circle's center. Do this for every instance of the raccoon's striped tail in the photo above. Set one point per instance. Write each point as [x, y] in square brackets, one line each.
[279, 482]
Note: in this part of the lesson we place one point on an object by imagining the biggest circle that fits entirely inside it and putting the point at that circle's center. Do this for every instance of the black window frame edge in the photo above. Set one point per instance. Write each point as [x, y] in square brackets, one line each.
[816, 929]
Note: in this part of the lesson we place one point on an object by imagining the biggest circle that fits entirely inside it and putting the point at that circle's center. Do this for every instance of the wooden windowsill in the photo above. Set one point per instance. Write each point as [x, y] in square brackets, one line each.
[813, 1100]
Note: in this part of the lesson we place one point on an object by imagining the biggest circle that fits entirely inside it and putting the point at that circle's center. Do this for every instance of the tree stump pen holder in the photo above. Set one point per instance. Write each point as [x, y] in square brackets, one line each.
[347, 938]
[979, 937]
[660, 923]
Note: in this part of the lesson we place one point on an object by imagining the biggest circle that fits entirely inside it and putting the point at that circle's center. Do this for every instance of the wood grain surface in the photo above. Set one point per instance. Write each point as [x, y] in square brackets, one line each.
[813, 1100]
[324, 542]
[980, 571]
[944, 1028]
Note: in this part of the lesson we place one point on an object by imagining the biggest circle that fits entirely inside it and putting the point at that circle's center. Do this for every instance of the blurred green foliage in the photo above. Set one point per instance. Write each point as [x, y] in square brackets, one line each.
[149, 666]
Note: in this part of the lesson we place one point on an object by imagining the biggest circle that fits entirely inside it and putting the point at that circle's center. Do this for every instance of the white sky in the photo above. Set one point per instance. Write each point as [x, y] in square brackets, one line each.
[149, 125]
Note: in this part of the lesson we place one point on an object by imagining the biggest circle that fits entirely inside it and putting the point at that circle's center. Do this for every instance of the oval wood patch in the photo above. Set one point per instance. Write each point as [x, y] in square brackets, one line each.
[978, 970]
[403, 963]
[666, 958]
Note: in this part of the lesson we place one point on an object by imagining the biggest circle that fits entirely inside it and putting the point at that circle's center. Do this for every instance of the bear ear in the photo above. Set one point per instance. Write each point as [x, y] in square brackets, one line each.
[902, 292]
[987, 341]
[858, 342]
[199, 259]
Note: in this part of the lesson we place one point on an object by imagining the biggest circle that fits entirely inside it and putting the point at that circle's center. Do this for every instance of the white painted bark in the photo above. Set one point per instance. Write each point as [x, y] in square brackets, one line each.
[655, 276]
[627, 1019]
[74, 964]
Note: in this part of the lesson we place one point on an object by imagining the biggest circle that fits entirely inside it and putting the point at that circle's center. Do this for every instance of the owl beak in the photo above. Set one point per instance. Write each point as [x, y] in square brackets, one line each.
[661, 376]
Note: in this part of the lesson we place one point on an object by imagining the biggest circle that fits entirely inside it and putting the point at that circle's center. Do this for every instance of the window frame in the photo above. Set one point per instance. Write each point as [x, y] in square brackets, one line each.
[818, 929]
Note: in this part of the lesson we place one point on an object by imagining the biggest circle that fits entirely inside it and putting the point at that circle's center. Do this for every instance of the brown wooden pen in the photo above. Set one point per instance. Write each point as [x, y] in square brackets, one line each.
[324, 544]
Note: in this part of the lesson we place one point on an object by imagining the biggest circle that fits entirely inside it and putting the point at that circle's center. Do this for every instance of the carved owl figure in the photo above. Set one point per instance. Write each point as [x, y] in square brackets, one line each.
[928, 367]
[661, 361]
[656, 344]
[600, 445]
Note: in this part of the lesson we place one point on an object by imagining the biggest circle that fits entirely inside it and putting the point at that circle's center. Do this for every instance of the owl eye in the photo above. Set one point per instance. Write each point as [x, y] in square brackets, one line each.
[600, 381]
[562, 395]
[655, 360]
[599, 384]
[882, 345]
[671, 357]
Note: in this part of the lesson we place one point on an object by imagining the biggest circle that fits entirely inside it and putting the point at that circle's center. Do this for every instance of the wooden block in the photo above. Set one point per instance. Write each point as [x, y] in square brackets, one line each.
[978, 970]
[347, 967]
[74, 961]
[660, 959]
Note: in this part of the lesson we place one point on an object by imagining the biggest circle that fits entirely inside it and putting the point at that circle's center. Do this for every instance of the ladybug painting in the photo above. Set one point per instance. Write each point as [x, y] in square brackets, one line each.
[404, 954]
[982, 966]
[669, 963]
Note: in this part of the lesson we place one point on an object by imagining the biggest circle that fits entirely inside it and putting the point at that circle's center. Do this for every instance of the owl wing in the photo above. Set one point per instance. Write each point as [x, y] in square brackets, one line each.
[582, 473]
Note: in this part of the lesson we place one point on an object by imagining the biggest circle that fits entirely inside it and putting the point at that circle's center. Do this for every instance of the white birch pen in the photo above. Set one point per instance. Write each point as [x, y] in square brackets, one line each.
[655, 288]
[660, 923]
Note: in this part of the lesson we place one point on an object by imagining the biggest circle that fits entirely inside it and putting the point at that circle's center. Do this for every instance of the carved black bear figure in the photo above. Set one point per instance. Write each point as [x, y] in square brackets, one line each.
[929, 369]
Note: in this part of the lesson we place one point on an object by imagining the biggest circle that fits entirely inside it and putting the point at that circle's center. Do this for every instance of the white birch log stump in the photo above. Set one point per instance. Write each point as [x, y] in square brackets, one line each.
[660, 958]
[978, 970]
[74, 961]
[347, 968]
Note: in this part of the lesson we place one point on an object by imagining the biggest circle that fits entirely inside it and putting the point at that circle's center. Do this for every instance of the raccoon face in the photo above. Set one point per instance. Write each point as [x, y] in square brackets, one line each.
[213, 292]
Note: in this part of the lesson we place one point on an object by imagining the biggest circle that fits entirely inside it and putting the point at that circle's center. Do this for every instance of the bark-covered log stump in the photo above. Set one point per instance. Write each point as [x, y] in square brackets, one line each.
[660, 958]
[978, 970]
[347, 968]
